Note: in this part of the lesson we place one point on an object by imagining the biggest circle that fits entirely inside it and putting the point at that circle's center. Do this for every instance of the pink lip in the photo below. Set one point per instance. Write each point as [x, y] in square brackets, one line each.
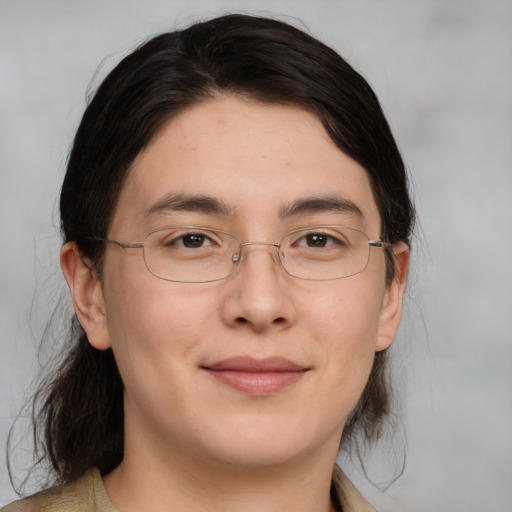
[256, 377]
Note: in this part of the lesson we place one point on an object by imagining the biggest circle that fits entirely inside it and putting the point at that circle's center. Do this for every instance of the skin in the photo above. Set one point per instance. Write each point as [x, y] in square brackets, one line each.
[191, 440]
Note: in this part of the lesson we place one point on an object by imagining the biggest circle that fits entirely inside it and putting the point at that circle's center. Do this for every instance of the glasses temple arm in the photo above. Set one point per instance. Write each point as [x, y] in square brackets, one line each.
[123, 245]
[377, 243]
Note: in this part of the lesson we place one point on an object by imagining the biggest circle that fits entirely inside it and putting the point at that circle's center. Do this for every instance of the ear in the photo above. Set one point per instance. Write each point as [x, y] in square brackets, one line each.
[391, 311]
[87, 294]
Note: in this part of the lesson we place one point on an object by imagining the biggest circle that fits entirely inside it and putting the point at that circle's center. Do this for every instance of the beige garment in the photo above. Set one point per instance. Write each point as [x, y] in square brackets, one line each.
[87, 494]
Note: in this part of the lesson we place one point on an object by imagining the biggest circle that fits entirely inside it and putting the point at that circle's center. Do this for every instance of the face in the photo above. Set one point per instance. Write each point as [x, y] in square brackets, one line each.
[260, 368]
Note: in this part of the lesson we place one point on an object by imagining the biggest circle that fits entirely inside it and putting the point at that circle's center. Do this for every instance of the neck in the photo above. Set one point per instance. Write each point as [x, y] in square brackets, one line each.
[171, 482]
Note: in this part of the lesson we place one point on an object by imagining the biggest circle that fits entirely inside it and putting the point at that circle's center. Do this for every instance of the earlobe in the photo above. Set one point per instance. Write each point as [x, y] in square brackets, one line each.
[87, 294]
[391, 311]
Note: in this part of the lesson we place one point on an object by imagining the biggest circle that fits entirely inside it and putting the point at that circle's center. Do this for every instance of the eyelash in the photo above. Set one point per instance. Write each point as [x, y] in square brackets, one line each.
[175, 240]
[330, 239]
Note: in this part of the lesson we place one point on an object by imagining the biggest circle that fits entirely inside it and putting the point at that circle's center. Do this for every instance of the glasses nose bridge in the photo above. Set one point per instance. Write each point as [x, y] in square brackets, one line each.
[273, 244]
[238, 257]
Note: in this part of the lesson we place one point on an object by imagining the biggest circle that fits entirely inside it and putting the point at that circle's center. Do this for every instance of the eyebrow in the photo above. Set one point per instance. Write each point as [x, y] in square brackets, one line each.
[213, 205]
[321, 204]
[189, 203]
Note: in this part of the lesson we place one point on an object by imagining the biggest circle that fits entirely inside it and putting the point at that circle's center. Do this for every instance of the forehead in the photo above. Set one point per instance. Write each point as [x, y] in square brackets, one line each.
[255, 160]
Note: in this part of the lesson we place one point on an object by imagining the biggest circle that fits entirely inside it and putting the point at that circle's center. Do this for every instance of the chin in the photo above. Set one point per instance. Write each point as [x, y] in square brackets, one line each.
[259, 443]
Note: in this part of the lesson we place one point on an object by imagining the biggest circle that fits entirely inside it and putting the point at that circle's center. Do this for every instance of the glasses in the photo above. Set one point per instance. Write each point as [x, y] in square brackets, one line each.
[193, 254]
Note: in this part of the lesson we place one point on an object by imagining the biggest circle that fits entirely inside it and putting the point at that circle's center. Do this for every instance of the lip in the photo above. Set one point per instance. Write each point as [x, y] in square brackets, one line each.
[257, 377]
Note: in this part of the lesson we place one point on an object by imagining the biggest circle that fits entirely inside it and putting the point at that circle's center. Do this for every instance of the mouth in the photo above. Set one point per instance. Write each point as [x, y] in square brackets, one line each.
[256, 377]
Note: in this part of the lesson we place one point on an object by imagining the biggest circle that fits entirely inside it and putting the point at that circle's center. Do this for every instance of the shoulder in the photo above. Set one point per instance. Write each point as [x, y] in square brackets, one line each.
[86, 494]
[350, 499]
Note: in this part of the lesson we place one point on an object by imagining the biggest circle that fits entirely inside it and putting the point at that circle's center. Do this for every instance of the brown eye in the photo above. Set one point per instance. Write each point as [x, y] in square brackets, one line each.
[189, 241]
[316, 240]
[193, 241]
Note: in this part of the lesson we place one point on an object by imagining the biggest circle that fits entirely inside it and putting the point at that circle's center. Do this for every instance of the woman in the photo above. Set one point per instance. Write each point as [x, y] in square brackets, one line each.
[236, 227]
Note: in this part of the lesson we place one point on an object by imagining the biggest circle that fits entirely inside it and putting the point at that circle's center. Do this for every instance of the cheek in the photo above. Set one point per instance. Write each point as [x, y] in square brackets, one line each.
[160, 320]
[154, 324]
[348, 311]
[345, 324]
[156, 337]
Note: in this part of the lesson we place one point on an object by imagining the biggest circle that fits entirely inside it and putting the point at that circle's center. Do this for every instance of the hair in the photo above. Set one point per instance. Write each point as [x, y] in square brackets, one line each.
[79, 410]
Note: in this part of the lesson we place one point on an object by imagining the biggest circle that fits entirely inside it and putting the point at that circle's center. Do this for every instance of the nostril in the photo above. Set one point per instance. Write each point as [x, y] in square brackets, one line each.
[242, 320]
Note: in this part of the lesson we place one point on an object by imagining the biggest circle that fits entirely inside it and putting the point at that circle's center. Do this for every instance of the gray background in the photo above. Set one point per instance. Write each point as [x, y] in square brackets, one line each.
[443, 71]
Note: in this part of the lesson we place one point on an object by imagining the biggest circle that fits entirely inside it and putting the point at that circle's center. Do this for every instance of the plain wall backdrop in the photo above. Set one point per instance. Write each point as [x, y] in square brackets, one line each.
[443, 72]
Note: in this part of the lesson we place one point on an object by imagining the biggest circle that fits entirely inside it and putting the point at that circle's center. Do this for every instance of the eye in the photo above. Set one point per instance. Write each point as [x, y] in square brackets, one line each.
[189, 241]
[193, 240]
[317, 240]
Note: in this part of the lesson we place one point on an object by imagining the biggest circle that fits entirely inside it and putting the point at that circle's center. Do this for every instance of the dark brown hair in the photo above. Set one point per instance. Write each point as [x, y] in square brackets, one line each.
[79, 411]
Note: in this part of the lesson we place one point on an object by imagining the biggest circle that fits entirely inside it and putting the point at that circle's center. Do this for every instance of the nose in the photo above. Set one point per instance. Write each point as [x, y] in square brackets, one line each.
[259, 291]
